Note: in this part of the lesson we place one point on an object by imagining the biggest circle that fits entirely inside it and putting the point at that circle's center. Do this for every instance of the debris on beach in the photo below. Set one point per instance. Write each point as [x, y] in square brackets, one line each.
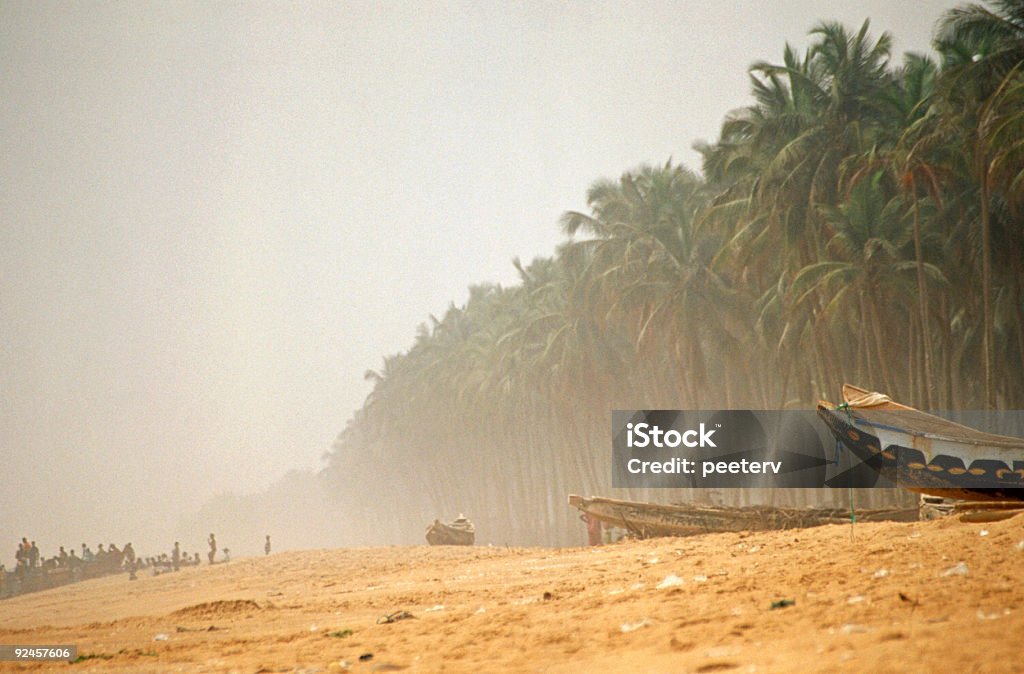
[909, 600]
[671, 580]
[626, 628]
[394, 617]
[959, 569]
[982, 615]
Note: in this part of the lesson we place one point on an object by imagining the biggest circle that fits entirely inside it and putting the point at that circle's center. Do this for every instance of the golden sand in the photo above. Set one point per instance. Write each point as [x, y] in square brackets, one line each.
[928, 596]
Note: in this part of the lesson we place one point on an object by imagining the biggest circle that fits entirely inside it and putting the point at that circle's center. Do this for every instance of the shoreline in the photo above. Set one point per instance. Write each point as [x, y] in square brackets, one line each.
[890, 598]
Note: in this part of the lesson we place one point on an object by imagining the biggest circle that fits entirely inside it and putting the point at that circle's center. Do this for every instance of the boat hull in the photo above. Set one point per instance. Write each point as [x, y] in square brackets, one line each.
[440, 533]
[927, 454]
[650, 520]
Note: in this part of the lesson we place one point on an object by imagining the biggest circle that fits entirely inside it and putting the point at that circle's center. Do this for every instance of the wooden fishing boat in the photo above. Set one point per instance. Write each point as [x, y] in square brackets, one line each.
[458, 532]
[650, 520]
[925, 453]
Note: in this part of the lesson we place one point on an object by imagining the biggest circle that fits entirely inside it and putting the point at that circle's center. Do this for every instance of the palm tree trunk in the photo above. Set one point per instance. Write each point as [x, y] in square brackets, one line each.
[1019, 307]
[912, 367]
[922, 305]
[876, 326]
[986, 286]
[947, 347]
[864, 322]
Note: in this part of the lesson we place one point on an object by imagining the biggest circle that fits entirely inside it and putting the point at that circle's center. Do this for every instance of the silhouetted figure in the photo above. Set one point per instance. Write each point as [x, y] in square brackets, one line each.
[213, 548]
[114, 557]
[129, 553]
[87, 555]
[266, 546]
[176, 556]
[22, 553]
[227, 555]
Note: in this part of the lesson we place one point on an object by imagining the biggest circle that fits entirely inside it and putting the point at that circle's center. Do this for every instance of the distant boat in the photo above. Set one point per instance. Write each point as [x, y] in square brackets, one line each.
[925, 453]
[458, 532]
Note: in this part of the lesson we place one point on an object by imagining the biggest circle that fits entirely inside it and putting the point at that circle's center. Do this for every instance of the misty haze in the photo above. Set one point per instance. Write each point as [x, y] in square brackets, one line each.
[309, 278]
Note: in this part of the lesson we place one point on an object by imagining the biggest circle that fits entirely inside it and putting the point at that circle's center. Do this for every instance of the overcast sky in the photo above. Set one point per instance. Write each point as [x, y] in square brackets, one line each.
[215, 217]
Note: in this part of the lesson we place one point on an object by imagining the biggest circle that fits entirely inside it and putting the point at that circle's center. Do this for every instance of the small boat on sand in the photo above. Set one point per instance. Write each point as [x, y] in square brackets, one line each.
[460, 531]
[925, 453]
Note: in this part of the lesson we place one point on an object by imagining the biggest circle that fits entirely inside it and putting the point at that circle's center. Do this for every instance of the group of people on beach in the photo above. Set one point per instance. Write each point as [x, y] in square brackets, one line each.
[33, 571]
[178, 558]
[28, 558]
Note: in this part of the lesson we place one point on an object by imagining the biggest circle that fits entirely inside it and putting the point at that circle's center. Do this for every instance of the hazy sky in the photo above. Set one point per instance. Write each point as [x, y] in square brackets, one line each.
[214, 217]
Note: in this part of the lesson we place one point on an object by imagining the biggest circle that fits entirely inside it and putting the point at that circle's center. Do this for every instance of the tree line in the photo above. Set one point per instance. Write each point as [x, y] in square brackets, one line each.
[859, 221]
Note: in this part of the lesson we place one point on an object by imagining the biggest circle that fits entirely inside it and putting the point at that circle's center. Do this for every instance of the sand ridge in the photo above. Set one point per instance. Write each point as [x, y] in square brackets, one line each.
[925, 596]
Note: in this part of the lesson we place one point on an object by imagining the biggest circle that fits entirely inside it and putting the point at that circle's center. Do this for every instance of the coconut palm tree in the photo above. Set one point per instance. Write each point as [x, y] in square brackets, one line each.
[982, 50]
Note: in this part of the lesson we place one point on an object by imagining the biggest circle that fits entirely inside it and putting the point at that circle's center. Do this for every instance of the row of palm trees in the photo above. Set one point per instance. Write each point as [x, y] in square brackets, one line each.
[859, 221]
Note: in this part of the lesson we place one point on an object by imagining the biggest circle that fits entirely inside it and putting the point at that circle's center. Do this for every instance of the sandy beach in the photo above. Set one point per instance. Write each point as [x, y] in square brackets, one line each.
[929, 596]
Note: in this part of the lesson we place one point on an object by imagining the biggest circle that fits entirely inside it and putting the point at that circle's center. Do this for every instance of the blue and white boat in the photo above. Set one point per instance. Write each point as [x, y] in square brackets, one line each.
[925, 453]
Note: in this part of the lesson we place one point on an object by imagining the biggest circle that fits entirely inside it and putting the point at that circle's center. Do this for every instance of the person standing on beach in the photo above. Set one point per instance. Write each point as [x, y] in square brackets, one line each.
[266, 546]
[130, 561]
[213, 548]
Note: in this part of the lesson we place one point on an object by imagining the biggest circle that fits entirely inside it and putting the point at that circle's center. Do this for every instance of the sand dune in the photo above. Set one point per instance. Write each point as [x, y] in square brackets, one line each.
[892, 599]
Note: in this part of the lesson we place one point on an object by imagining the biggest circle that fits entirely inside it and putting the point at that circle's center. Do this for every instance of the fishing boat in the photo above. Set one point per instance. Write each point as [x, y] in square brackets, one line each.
[651, 520]
[460, 531]
[925, 453]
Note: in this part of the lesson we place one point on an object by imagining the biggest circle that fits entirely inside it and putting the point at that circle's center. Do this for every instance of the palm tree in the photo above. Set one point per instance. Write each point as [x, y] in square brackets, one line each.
[981, 45]
[982, 50]
[841, 197]
[652, 258]
[917, 177]
[866, 271]
[777, 170]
